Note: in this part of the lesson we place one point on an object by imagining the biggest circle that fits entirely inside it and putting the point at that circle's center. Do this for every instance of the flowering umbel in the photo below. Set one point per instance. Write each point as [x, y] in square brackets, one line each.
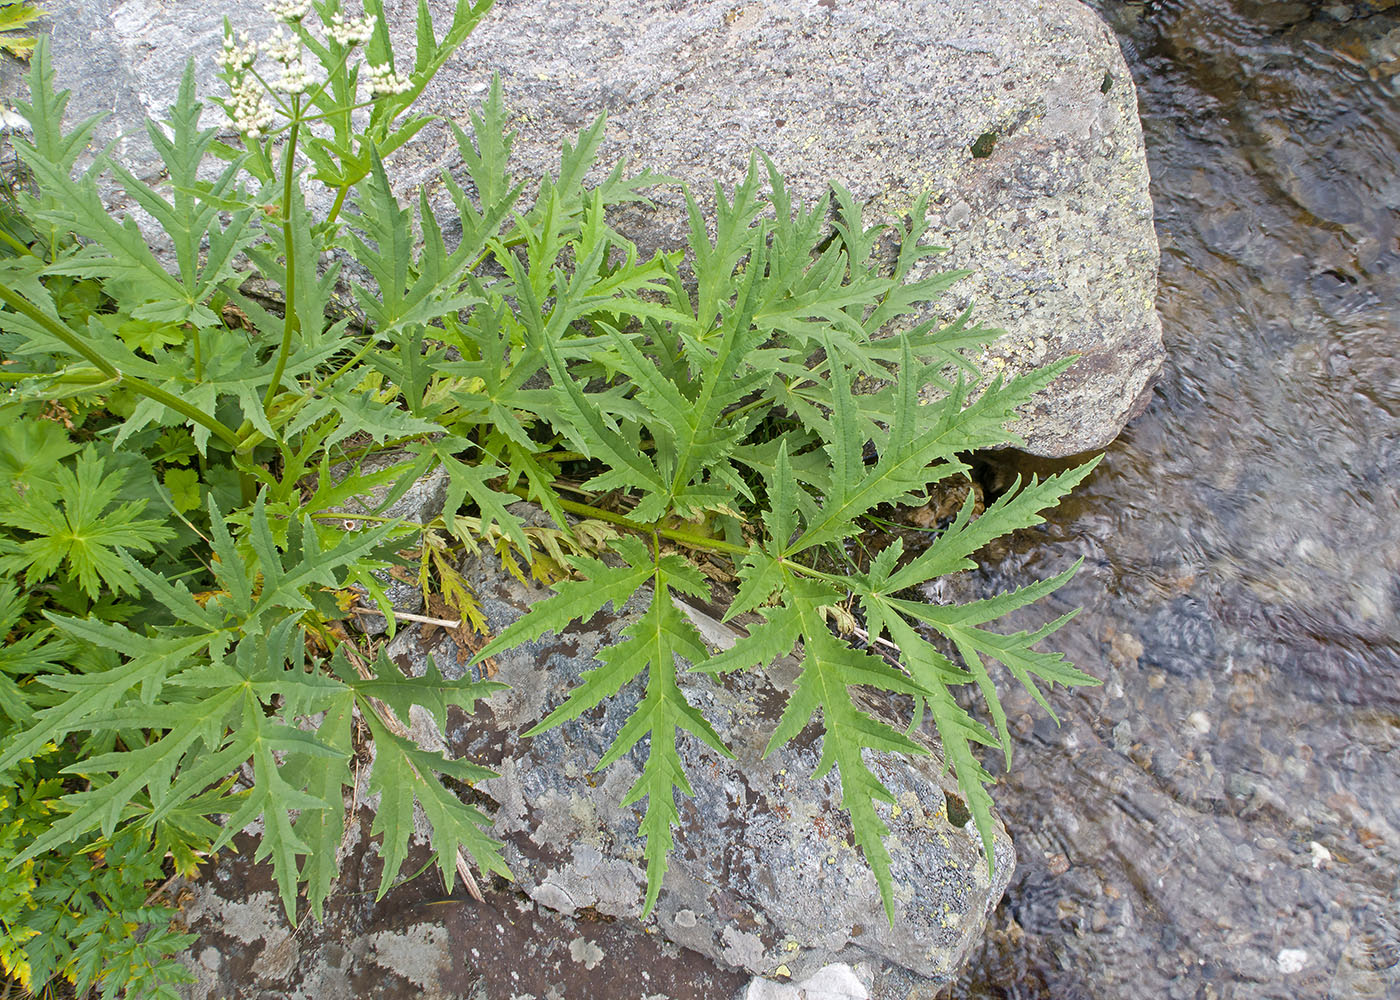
[252, 113]
[386, 80]
[350, 32]
[256, 99]
[291, 11]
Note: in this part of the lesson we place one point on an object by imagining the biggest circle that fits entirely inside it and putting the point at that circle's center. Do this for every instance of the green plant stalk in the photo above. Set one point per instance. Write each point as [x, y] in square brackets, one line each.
[289, 325]
[684, 537]
[78, 378]
[250, 438]
[198, 361]
[335, 376]
[75, 343]
[19, 245]
[340, 194]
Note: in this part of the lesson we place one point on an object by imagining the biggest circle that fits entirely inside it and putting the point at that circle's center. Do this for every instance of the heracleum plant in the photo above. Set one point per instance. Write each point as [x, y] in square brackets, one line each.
[175, 578]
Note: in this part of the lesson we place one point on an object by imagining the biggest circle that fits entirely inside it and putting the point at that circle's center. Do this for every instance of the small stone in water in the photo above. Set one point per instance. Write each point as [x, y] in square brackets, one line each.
[1198, 722]
[1320, 854]
[1291, 960]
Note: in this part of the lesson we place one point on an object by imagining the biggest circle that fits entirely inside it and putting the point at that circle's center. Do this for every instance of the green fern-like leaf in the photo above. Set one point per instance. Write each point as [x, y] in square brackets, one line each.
[404, 775]
[651, 645]
[779, 324]
[830, 667]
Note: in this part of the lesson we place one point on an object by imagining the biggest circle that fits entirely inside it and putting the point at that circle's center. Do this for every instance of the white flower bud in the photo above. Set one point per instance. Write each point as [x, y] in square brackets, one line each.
[294, 80]
[251, 111]
[290, 11]
[386, 80]
[353, 32]
[282, 47]
[238, 53]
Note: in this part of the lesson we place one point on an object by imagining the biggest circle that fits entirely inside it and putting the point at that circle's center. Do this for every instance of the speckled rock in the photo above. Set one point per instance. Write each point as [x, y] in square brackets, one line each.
[1018, 115]
[418, 943]
[764, 876]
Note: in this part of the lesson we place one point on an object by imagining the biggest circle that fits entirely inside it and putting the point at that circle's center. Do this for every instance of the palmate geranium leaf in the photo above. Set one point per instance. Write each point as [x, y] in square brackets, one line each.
[31, 450]
[23, 656]
[74, 522]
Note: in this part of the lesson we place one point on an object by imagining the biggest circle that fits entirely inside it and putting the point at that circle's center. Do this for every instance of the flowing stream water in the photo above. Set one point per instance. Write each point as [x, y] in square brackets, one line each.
[1221, 819]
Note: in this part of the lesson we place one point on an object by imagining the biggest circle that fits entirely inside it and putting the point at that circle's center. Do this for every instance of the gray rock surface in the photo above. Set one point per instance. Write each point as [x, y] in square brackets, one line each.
[890, 97]
[764, 876]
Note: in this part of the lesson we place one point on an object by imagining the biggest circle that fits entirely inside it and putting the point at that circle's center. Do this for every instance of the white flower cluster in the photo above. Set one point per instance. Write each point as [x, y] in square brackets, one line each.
[248, 106]
[294, 80]
[353, 32]
[386, 80]
[290, 11]
[282, 47]
[239, 53]
[252, 105]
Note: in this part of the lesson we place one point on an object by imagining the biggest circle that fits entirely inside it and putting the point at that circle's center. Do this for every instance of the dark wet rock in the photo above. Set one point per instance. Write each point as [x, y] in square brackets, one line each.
[1020, 118]
[418, 943]
[764, 876]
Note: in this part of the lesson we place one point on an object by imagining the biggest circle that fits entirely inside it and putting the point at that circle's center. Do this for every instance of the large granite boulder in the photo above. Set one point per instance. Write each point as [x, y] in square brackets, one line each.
[765, 876]
[1018, 115]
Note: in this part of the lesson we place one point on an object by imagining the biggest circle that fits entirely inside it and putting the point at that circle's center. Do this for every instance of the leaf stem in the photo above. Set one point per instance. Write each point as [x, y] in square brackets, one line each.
[339, 201]
[18, 245]
[289, 325]
[599, 514]
[81, 378]
[75, 343]
[198, 360]
[334, 376]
